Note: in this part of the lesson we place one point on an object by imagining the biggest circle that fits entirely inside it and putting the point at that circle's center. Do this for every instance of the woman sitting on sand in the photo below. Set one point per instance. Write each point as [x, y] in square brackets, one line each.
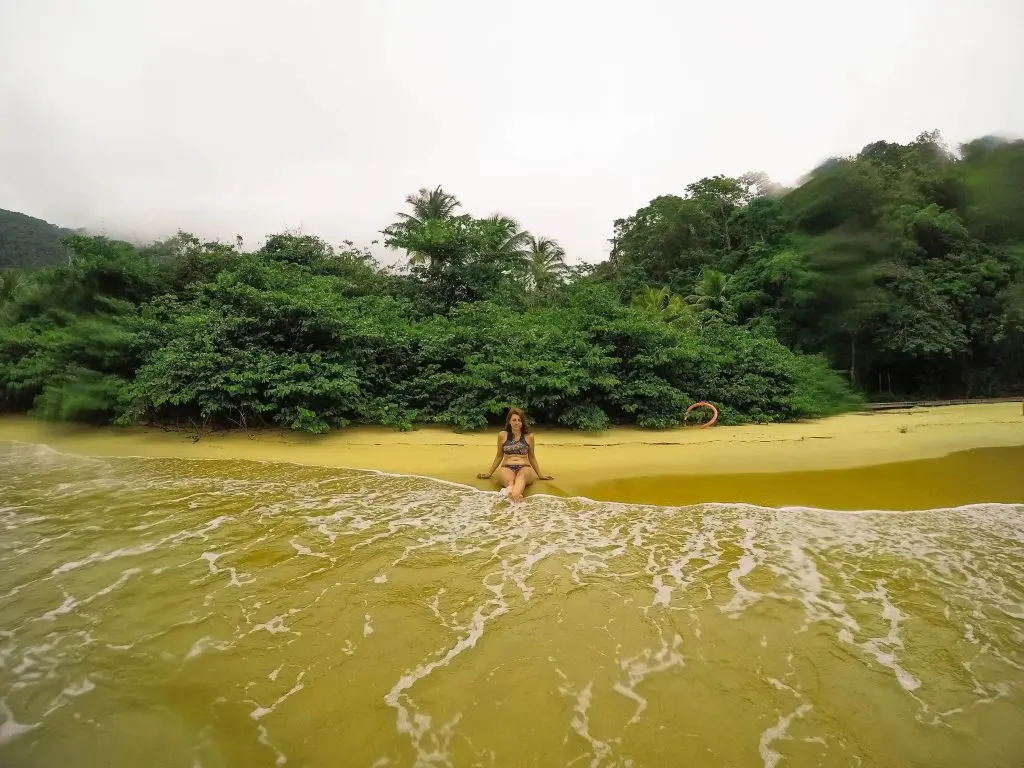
[516, 456]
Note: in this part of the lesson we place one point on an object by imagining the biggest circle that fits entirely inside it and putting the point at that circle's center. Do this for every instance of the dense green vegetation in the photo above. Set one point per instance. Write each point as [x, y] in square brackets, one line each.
[28, 243]
[897, 272]
[903, 265]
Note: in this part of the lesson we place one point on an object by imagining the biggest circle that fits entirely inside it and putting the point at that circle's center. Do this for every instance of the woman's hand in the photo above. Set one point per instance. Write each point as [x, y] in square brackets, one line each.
[546, 477]
[483, 475]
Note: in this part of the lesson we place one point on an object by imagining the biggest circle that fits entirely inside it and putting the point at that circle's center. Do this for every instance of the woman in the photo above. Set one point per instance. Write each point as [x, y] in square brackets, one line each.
[516, 456]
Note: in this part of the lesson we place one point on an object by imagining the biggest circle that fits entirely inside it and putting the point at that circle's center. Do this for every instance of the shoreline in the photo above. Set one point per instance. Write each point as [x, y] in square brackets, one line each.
[773, 464]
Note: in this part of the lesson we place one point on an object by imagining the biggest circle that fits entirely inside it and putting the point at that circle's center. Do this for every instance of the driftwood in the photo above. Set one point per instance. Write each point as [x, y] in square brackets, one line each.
[937, 403]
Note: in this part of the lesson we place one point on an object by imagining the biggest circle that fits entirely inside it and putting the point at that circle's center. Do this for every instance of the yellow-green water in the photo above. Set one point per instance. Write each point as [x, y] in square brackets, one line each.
[957, 479]
[166, 612]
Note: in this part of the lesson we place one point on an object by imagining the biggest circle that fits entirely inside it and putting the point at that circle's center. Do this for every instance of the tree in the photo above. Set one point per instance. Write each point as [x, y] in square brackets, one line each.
[505, 242]
[994, 189]
[545, 262]
[669, 238]
[426, 225]
[839, 193]
[718, 197]
[759, 223]
[663, 305]
[712, 291]
[429, 204]
[11, 283]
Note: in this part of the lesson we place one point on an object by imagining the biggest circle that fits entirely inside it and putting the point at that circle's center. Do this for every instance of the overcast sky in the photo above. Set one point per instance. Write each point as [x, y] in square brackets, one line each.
[250, 117]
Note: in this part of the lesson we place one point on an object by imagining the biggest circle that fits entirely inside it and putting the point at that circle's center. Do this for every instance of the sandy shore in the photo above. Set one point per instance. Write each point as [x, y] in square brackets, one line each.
[627, 464]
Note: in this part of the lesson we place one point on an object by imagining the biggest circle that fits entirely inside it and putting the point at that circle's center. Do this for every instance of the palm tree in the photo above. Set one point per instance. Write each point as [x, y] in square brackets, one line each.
[662, 304]
[11, 283]
[711, 291]
[545, 262]
[508, 241]
[429, 204]
[429, 207]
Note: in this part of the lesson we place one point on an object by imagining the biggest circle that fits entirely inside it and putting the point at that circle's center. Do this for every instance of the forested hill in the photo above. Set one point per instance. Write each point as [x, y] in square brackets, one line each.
[894, 273]
[28, 243]
[903, 264]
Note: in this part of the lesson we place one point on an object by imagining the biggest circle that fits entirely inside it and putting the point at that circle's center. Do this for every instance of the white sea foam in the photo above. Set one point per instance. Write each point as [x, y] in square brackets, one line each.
[10, 729]
[203, 644]
[770, 757]
[644, 664]
[260, 712]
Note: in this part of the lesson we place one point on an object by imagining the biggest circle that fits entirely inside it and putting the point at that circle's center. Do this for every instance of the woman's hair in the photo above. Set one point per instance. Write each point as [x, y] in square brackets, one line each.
[521, 414]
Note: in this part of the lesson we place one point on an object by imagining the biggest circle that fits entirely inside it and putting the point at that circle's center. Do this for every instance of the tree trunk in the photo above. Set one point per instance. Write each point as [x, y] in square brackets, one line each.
[853, 359]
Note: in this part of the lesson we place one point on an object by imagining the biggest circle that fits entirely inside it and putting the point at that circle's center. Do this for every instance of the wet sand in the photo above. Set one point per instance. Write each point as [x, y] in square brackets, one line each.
[914, 459]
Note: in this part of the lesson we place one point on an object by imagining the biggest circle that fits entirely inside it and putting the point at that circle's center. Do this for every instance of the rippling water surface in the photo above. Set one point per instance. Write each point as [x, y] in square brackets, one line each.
[183, 613]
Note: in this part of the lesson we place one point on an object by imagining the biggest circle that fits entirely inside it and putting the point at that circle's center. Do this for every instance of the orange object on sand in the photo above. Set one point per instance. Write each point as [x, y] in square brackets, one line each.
[714, 417]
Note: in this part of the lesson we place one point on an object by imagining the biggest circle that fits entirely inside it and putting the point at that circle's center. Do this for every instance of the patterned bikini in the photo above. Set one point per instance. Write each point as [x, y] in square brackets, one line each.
[516, 448]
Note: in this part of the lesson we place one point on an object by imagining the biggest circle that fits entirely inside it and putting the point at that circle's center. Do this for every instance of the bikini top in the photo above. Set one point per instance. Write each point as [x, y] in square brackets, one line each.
[516, 447]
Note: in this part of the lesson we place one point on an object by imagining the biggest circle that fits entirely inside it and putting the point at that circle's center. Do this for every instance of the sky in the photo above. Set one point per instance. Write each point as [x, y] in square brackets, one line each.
[222, 117]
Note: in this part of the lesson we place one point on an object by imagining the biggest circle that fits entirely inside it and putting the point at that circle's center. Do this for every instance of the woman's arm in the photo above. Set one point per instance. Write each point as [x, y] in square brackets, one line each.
[497, 458]
[533, 460]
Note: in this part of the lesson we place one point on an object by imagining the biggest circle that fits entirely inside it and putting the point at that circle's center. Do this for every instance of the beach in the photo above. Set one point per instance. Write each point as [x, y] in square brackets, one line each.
[902, 459]
[242, 600]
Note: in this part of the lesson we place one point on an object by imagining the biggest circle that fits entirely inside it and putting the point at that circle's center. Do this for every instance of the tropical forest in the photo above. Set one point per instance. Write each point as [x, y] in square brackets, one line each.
[896, 273]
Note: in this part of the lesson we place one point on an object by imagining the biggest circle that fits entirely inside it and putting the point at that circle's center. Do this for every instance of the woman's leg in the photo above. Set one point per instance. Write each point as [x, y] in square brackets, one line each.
[506, 477]
[524, 477]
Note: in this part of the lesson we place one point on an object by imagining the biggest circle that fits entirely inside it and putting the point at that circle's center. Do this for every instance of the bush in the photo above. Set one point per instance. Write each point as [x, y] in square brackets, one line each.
[297, 336]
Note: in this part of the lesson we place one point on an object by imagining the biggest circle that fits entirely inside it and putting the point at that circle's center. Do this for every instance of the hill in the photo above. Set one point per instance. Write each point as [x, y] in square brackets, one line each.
[28, 243]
